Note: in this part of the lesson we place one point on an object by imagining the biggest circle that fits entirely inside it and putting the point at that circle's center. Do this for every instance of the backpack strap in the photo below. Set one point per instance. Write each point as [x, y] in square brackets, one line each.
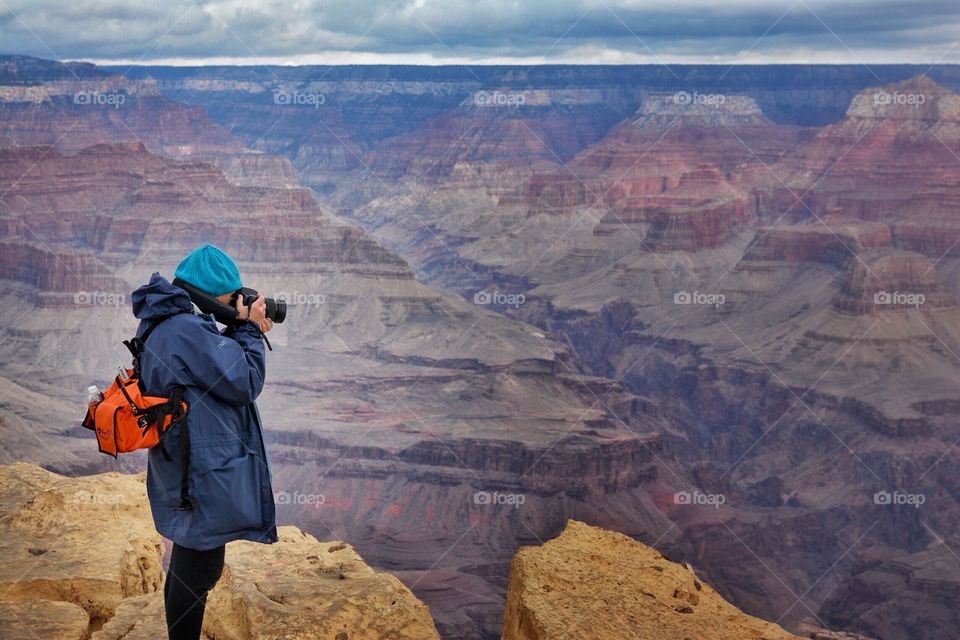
[151, 327]
[137, 344]
[157, 415]
[187, 502]
[173, 407]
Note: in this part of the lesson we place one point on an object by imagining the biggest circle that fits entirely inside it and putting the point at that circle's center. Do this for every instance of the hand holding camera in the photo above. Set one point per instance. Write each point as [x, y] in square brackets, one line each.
[256, 312]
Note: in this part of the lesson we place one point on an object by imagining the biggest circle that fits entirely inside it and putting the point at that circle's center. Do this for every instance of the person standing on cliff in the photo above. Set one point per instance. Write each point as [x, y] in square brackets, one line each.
[228, 472]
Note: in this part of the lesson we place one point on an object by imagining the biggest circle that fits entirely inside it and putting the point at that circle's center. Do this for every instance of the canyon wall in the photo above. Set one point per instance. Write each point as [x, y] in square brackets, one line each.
[718, 317]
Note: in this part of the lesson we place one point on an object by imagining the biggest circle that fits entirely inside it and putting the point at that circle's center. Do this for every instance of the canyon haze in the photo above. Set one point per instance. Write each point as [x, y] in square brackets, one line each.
[712, 308]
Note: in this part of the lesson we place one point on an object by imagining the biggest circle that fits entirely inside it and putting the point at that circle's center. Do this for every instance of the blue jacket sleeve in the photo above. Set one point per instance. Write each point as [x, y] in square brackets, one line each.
[229, 366]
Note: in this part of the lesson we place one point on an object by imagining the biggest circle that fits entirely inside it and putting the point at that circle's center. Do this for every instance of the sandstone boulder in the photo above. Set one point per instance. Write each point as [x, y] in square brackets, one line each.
[593, 583]
[303, 588]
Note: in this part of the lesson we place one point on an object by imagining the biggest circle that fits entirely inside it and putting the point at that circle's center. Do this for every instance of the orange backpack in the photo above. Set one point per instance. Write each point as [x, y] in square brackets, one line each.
[127, 419]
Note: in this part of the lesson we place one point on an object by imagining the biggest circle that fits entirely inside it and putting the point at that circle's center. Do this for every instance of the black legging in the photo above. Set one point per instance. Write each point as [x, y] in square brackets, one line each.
[192, 574]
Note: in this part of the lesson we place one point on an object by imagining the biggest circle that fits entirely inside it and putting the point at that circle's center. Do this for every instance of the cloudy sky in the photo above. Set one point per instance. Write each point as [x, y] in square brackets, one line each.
[482, 31]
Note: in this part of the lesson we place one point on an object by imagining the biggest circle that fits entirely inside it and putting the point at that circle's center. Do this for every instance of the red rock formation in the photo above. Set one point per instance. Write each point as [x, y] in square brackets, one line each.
[60, 277]
[78, 112]
[495, 139]
[889, 281]
[53, 117]
[252, 169]
[124, 200]
[677, 167]
[892, 159]
[815, 242]
[683, 219]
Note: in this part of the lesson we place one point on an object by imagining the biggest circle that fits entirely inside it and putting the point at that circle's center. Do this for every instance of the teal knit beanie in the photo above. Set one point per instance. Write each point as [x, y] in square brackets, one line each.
[211, 270]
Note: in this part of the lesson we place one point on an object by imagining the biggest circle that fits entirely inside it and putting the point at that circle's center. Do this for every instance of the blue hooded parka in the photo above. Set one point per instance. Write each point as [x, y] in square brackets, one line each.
[229, 474]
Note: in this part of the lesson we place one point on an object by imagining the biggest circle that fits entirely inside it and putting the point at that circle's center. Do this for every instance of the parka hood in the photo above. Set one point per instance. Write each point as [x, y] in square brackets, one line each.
[159, 299]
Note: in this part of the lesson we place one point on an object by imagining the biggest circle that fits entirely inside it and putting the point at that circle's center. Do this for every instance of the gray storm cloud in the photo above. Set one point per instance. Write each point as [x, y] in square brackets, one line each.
[435, 31]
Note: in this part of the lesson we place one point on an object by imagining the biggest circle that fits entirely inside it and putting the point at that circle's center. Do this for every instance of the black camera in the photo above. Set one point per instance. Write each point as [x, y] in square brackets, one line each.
[227, 313]
[276, 309]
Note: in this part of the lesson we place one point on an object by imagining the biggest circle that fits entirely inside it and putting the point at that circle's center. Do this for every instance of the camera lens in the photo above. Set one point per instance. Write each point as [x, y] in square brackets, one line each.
[276, 310]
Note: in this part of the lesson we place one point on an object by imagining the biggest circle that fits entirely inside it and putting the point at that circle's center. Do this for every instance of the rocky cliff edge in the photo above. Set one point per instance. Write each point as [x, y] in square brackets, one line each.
[79, 559]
